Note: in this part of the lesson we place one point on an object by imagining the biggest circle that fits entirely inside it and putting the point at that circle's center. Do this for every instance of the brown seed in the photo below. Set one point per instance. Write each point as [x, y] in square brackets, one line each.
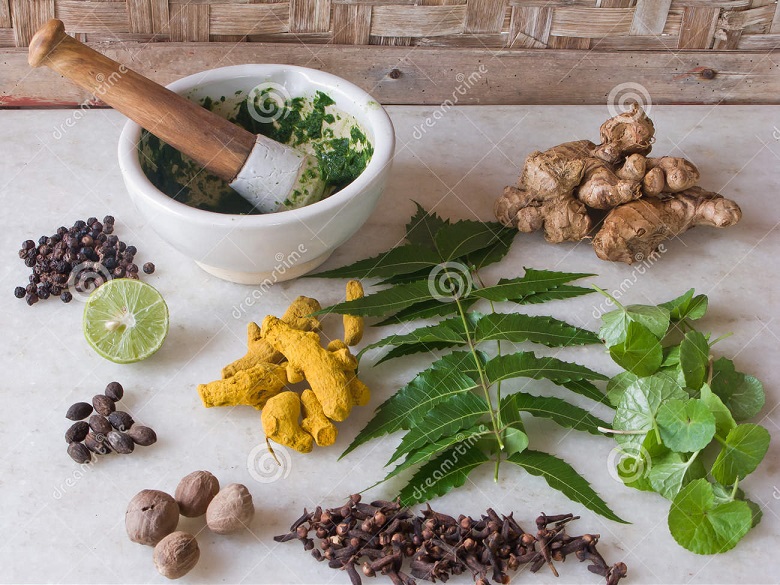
[103, 404]
[79, 453]
[77, 432]
[230, 510]
[176, 555]
[115, 391]
[79, 411]
[97, 444]
[151, 516]
[195, 492]
[99, 424]
[142, 435]
[121, 420]
[120, 442]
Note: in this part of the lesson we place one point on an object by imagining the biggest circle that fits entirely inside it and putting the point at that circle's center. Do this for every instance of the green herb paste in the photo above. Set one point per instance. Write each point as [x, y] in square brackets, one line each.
[311, 125]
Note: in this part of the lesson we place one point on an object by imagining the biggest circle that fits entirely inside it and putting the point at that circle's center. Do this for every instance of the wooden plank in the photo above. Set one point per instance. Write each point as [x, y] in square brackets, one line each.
[417, 21]
[650, 17]
[189, 22]
[513, 77]
[473, 41]
[28, 16]
[148, 16]
[249, 19]
[569, 43]
[309, 15]
[775, 28]
[93, 17]
[768, 42]
[7, 37]
[530, 27]
[351, 24]
[5, 14]
[485, 16]
[698, 28]
[591, 22]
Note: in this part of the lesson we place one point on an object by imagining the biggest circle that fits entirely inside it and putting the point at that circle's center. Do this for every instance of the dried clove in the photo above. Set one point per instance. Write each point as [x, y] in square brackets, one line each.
[377, 537]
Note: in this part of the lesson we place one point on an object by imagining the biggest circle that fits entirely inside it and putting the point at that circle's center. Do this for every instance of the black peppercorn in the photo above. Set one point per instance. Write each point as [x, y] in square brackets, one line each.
[79, 224]
[149, 268]
[32, 299]
[19, 292]
[108, 219]
[91, 220]
[66, 297]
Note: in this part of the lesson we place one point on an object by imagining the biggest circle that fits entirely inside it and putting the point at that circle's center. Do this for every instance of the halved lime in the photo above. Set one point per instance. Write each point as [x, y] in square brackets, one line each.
[125, 320]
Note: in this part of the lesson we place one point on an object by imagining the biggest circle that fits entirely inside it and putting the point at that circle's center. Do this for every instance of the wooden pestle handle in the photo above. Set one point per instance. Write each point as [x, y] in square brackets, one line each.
[220, 146]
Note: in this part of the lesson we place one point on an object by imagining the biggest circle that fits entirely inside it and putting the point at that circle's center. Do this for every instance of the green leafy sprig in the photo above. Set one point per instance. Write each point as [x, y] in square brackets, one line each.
[679, 420]
[453, 413]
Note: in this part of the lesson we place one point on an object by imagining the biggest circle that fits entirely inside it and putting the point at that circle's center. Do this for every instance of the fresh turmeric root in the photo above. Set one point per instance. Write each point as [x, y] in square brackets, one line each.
[649, 200]
[259, 351]
[280, 422]
[315, 422]
[353, 324]
[251, 387]
[633, 231]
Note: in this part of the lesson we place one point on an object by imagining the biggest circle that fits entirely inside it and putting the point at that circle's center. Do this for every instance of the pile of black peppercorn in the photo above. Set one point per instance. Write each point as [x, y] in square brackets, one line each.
[107, 430]
[79, 258]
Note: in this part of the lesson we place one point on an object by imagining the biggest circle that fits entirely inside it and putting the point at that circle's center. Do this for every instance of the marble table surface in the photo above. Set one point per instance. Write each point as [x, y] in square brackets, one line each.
[60, 522]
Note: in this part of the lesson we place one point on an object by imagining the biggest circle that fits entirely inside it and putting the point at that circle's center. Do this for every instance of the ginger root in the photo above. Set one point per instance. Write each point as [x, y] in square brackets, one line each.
[633, 231]
[259, 351]
[315, 422]
[353, 324]
[280, 422]
[251, 387]
[562, 190]
[307, 359]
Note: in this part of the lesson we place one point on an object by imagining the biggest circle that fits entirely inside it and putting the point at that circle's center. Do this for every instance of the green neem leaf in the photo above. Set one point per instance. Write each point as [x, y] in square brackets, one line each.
[443, 419]
[743, 449]
[467, 437]
[724, 422]
[671, 472]
[516, 327]
[525, 364]
[452, 374]
[401, 260]
[703, 526]
[425, 310]
[493, 253]
[422, 227]
[508, 413]
[685, 425]
[640, 352]
[389, 300]
[615, 327]
[449, 331]
[637, 409]
[532, 282]
[564, 414]
[694, 359]
[455, 240]
[741, 393]
[561, 476]
[617, 385]
[515, 440]
[585, 388]
[440, 475]
[410, 349]
[561, 292]
[686, 306]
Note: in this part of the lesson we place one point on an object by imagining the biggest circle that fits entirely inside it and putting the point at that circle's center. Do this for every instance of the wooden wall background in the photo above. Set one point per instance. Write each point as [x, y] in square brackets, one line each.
[410, 51]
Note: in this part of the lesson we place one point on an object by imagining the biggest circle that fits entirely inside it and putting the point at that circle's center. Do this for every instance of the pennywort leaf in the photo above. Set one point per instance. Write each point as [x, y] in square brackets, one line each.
[724, 421]
[561, 476]
[694, 359]
[687, 306]
[616, 323]
[685, 425]
[671, 472]
[640, 351]
[741, 393]
[742, 451]
[637, 409]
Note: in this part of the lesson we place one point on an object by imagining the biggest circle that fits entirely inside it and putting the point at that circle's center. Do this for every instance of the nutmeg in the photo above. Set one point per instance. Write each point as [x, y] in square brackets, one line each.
[195, 492]
[230, 510]
[151, 515]
[176, 554]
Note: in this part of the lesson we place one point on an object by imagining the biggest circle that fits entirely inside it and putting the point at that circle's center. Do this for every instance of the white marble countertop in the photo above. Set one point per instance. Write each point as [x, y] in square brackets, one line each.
[62, 523]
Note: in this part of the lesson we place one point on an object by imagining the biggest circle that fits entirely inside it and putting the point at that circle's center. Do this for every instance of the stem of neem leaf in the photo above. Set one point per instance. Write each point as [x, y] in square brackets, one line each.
[482, 379]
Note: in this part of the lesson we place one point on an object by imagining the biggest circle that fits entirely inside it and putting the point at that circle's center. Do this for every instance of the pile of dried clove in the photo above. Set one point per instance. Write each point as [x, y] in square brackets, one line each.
[384, 533]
